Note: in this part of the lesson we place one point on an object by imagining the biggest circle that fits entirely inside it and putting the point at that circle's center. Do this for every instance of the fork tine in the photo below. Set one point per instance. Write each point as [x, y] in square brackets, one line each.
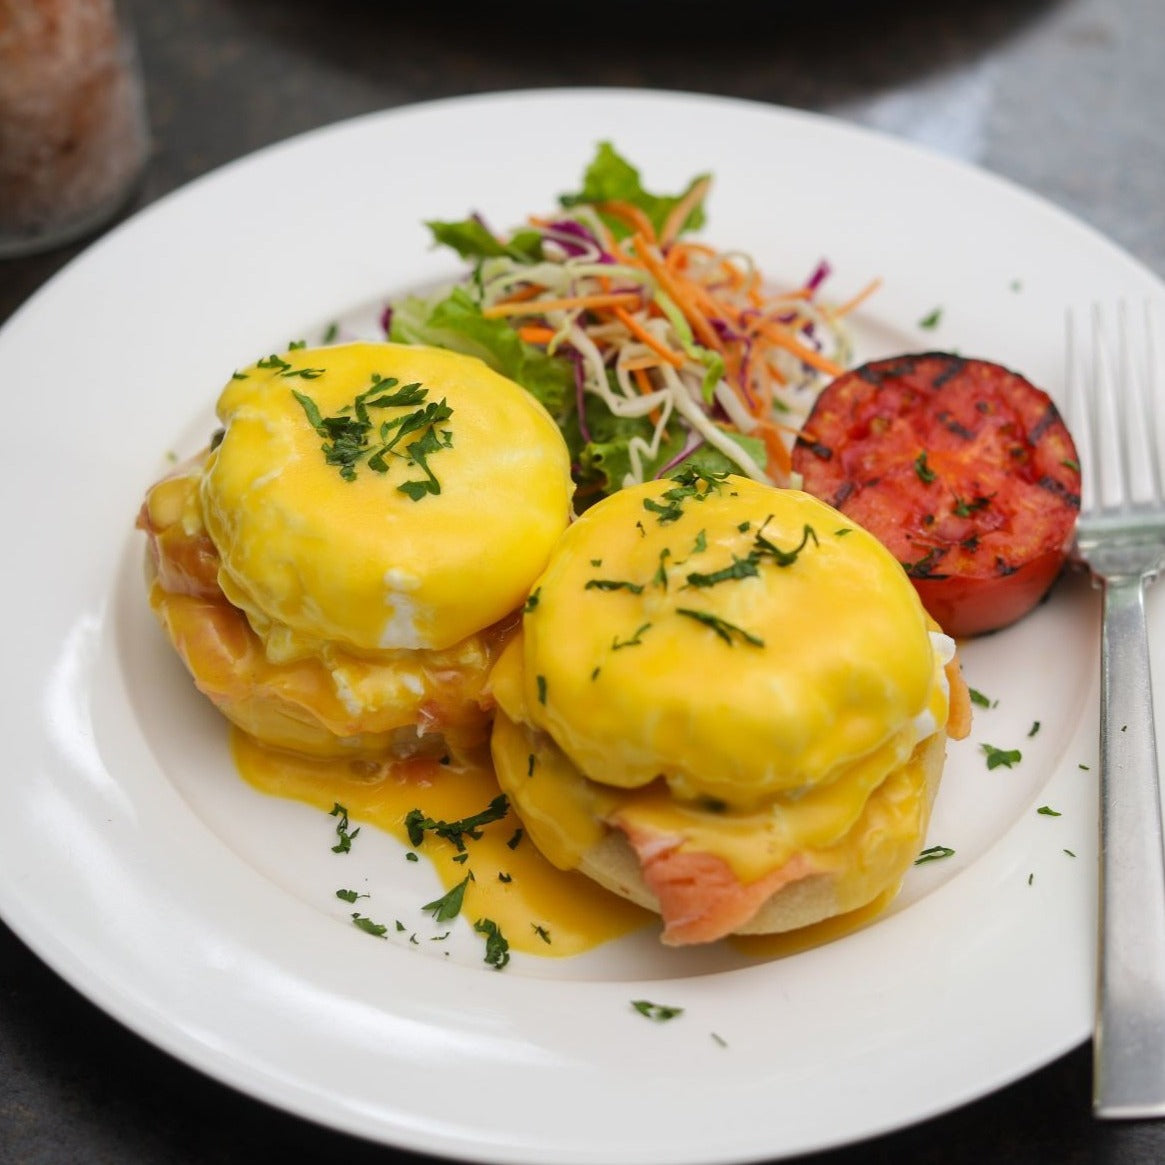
[1147, 384]
[1074, 408]
[1122, 387]
[1112, 408]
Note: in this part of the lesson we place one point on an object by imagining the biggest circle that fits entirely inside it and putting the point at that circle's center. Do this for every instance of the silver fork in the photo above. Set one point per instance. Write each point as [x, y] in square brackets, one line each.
[1121, 537]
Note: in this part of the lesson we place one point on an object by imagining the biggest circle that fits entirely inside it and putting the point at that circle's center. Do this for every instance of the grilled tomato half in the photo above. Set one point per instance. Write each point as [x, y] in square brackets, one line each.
[962, 468]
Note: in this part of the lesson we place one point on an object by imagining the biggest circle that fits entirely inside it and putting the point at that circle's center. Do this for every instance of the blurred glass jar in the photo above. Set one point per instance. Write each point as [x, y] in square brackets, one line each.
[74, 138]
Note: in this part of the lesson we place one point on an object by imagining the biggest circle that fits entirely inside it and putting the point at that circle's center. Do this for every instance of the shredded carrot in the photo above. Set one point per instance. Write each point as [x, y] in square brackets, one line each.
[630, 214]
[857, 300]
[675, 359]
[775, 373]
[783, 339]
[524, 294]
[536, 334]
[688, 248]
[643, 383]
[674, 223]
[779, 457]
[566, 303]
[677, 288]
[634, 362]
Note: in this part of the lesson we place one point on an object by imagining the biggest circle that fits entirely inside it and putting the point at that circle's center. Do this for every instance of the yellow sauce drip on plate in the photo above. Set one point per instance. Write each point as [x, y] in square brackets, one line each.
[575, 914]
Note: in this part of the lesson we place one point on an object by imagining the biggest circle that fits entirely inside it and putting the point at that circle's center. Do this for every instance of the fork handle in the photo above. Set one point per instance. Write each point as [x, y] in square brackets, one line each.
[1129, 1043]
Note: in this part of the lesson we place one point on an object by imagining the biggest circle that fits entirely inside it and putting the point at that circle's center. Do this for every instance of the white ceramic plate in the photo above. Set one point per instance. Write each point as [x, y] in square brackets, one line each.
[202, 915]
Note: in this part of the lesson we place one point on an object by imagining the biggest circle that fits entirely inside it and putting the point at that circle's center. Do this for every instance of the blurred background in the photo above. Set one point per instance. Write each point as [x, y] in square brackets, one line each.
[1066, 97]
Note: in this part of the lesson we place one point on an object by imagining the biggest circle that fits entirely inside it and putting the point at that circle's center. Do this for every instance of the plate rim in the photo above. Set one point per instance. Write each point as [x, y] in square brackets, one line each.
[115, 998]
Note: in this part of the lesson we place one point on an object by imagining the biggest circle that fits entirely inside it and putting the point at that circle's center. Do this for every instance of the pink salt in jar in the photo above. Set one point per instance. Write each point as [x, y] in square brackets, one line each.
[73, 131]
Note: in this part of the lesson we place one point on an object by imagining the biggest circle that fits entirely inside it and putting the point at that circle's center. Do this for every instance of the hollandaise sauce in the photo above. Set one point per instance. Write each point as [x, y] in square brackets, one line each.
[540, 910]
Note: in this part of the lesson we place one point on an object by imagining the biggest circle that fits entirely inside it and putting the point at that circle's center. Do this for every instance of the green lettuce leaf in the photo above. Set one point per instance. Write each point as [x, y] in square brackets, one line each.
[604, 460]
[611, 177]
[472, 239]
[455, 322]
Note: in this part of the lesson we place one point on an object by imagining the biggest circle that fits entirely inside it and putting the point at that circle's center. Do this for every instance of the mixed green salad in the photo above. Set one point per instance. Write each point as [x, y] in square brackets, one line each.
[652, 350]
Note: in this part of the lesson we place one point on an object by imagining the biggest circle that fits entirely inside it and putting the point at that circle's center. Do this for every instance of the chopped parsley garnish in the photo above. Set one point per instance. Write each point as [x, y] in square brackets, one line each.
[344, 845]
[530, 761]
[1034, 728]
[934, 853]
[277, 364]
[999, 756]
[931, 319]
[541, 682]
[978, 698]
[749, 567]
[922, 568]
[964, 509]
[1048, 811]
[613, 584]
[659, 1012]
[331, 332]
[541, 932]
[660, 576]
[688, 483]
[448, 905]
[497, 950]
[1071, 463]
[349, 895]
[376, 929]
[722, 627]
[516, 840]
[532, 600]
[505, 877]
[740, 568]
[924, 471]
[417, 824]
[765, 548]
[352, 438]
[635, 640]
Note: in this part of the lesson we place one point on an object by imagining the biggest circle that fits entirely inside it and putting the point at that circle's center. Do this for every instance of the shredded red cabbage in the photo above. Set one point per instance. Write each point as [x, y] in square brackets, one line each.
[693, 443]
[576, 361]
[576, 241]
[820, 273]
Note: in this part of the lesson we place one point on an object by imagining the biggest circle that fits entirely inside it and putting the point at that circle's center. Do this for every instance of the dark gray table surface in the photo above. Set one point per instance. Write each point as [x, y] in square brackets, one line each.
[1066, 97]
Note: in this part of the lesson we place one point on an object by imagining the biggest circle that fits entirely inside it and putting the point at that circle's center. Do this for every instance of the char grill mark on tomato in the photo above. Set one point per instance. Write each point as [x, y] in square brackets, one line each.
[962, 468]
